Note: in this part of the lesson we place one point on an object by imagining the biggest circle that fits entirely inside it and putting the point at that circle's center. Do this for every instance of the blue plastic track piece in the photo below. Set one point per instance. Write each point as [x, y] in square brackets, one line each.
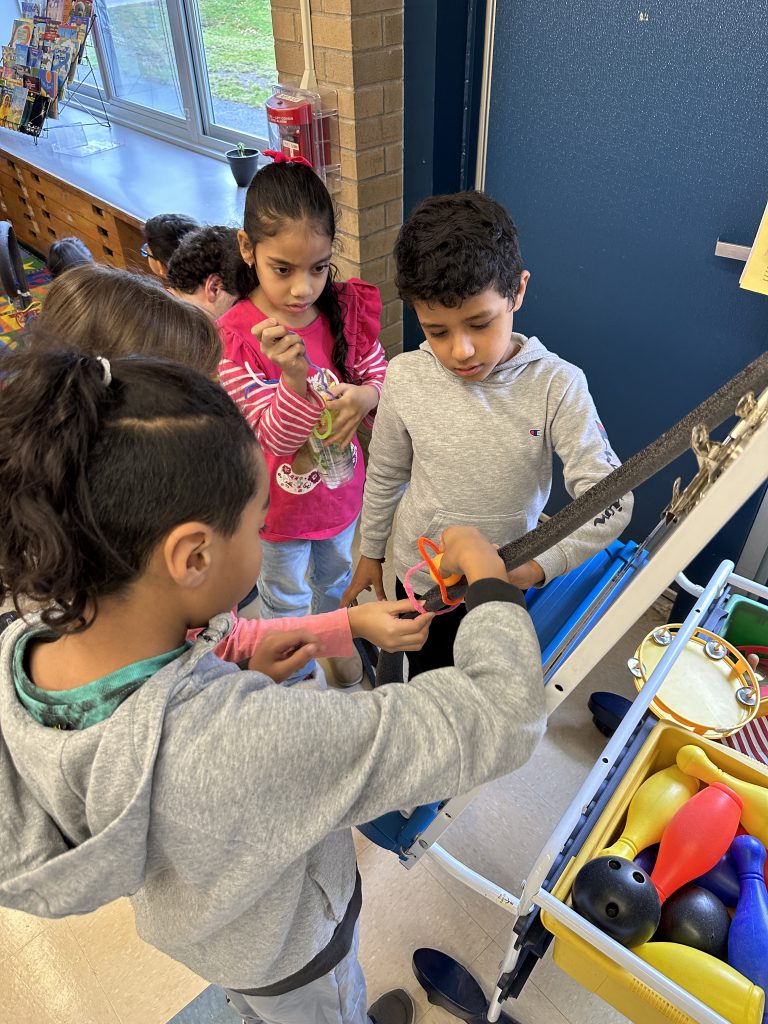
[395, 832]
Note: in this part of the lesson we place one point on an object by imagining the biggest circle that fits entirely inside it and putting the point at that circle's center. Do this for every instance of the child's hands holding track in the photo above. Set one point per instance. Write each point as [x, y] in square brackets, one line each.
[279, 655]
[349, 409]
[380, 622]
[467, 551]
[285, 349]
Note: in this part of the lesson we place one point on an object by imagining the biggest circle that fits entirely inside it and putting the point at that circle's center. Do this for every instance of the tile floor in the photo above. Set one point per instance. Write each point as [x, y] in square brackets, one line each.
[94, 969]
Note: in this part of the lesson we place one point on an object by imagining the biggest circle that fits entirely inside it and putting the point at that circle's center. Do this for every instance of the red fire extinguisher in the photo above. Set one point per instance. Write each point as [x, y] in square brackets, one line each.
[291, 126]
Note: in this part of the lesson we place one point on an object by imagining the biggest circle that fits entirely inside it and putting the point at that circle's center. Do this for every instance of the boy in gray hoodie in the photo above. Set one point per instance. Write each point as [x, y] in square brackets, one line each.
[467, 426]
[134, 763]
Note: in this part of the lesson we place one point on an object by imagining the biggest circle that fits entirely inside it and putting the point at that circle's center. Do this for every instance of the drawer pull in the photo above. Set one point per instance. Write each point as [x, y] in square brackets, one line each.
[97, 210]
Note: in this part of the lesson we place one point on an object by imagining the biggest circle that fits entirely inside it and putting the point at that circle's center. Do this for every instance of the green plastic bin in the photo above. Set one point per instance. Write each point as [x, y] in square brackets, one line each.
[746, 624]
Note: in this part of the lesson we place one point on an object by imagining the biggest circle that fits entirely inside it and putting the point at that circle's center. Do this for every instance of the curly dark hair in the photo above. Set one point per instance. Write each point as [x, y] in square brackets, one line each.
[213, 249]
[283, 192]
[164, 232]
[94, 474]
[453, 247]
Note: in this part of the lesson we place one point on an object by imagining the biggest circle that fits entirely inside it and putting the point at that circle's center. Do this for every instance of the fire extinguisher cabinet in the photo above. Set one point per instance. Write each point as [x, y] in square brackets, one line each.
[304, 123]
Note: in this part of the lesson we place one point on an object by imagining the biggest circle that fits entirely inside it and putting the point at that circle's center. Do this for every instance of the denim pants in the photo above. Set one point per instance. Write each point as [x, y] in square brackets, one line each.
[339, 997]
[305, 577]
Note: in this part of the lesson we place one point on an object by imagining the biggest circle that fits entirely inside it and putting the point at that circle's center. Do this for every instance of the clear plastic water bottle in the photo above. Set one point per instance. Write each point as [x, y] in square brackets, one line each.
[335, 464]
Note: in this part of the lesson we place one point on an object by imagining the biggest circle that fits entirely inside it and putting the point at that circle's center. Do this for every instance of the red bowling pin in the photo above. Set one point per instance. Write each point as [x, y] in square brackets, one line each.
[696, 838]
[748, 936]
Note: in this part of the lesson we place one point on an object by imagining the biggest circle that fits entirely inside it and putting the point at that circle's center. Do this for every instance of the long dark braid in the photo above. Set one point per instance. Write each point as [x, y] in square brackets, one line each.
[287, 191]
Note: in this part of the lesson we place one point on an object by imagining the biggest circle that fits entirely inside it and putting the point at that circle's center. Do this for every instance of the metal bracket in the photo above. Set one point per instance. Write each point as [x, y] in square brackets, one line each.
[713, 456]
[731, 251]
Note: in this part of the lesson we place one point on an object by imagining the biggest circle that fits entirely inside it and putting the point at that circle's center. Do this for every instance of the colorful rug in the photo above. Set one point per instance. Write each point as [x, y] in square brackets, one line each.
[39, 280]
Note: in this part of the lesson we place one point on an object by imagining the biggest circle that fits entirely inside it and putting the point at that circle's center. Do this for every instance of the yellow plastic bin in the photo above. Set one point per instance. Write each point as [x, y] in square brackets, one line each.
[586, 964]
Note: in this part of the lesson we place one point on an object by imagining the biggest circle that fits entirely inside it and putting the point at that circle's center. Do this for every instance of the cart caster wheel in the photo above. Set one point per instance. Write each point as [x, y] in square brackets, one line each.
[450, 986]
[608, 709]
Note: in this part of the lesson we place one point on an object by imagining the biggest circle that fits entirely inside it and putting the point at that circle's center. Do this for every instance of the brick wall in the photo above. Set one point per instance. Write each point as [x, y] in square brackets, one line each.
[358, 49]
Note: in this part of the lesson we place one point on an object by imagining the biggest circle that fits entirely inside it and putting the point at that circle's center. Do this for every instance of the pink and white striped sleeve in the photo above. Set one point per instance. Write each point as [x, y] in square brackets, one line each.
[281, 419]
[371, 368]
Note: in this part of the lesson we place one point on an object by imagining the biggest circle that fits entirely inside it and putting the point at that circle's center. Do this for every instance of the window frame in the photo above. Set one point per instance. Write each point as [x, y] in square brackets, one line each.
[197, 128]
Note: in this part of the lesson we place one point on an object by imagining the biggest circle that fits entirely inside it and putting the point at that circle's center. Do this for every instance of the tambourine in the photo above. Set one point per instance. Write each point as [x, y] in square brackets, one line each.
[711, 689]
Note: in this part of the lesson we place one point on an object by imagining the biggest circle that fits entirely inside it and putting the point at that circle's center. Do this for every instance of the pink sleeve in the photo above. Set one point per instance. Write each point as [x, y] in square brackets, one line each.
[280, 419]
[362, 326]
[332, 629]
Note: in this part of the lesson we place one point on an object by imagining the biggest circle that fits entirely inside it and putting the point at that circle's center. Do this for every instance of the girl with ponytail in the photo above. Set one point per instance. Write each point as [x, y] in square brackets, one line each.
[297, 336]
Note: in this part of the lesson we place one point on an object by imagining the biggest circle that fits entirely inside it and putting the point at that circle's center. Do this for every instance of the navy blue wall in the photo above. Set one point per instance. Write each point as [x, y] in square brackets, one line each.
[624, 142]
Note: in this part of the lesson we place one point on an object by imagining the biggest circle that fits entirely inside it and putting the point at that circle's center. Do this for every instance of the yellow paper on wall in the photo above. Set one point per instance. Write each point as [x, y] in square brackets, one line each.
[755, 273]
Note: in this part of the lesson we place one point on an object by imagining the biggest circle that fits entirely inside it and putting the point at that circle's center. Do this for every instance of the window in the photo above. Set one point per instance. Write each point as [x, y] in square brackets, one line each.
[197, 70]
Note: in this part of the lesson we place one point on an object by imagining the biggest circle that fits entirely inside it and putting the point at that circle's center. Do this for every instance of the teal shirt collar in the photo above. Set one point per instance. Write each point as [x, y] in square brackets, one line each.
[83, 706]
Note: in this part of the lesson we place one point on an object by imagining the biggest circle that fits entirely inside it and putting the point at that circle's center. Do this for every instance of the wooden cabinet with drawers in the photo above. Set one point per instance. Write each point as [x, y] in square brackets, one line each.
[43, 208]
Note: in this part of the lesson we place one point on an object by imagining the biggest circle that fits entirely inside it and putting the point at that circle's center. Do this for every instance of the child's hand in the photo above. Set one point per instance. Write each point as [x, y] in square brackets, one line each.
[368, 573]
[380, 622]
[466, 551]
[285, 349]
[279, 655]
[526, 575]
[353, 404]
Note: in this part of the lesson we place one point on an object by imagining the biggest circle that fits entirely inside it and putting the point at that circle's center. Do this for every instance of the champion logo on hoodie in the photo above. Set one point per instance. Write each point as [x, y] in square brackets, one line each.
[535, 432]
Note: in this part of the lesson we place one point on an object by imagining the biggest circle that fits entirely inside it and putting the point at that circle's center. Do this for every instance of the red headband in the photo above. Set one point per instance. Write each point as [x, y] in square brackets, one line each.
[280, 158]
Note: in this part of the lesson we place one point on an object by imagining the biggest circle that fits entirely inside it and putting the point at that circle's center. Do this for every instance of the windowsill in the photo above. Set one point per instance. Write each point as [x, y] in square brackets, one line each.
[141, 176]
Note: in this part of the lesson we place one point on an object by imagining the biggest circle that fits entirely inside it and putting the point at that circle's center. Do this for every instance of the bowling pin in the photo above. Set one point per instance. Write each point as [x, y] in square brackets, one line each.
[651, 809]
[722, 880]
[694, 761]
[696, 838]
[716, 984]
[748, 937]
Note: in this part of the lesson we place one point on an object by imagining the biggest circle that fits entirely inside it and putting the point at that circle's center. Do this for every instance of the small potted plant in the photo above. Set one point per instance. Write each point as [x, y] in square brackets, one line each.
[243, 163]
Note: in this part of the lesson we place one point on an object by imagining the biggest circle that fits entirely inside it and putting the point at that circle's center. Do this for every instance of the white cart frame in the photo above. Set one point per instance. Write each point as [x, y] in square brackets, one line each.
[738, 481]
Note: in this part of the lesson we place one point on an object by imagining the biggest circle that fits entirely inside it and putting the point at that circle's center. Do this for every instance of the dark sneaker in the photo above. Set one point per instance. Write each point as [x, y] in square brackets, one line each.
[395, 1007]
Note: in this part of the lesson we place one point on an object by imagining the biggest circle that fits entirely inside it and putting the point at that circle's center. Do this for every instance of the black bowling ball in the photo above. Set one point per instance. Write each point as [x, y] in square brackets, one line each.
[619, 898]
[696, 917]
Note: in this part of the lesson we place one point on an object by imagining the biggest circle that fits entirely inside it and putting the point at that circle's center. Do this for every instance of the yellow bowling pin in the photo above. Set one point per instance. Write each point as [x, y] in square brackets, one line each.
[651, 809]
[711, 980]
[754, 817]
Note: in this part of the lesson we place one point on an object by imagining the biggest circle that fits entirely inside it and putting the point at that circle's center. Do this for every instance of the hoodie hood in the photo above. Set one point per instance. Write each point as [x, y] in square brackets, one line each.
[75, 805]
[530, 351]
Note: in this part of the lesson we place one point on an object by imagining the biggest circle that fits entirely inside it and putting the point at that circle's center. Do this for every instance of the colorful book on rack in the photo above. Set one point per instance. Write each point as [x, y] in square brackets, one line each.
[21, 55]
[22, 31]
[33, 8]
[54, 10]
[32, 84]
[6, 95]
[49, 83]
[18, 102]
[34, 56]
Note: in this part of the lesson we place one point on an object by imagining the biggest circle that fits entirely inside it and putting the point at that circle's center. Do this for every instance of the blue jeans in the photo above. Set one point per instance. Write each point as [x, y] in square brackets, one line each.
[305, 577]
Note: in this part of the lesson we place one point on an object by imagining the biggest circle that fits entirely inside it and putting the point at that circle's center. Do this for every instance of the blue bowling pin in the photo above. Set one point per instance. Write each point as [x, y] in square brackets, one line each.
[722, 880]
[748, 937]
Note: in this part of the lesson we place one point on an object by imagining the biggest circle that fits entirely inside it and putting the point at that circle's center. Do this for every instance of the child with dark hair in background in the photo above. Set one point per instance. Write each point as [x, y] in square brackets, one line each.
[299, 336]
[162, 235]
[133, 763]
[66, 253]
[208, 270]
[469, 423]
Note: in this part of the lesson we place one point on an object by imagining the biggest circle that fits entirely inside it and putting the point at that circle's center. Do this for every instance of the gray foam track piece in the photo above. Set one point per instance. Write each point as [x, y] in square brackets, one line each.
[635, 471]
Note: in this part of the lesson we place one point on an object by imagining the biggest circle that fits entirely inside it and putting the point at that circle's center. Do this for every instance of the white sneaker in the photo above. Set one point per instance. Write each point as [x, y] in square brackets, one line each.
[347, 671]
